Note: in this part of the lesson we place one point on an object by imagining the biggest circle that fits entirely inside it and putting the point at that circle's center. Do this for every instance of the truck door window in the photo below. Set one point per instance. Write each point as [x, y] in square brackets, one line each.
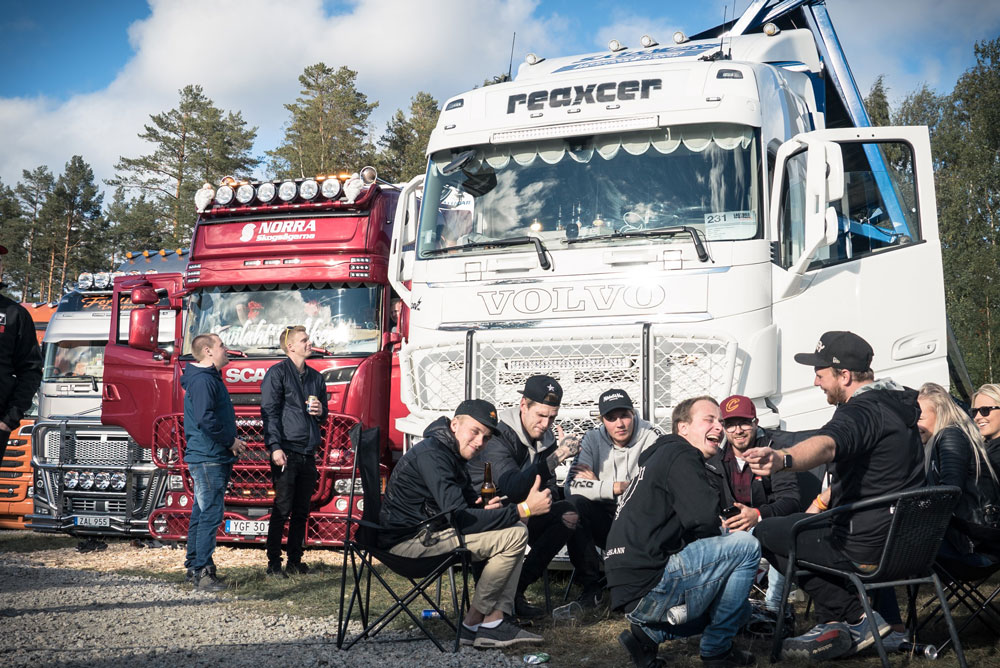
[878, 211]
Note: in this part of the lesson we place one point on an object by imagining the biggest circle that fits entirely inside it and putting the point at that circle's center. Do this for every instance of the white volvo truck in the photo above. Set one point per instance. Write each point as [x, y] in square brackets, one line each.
[673, 220]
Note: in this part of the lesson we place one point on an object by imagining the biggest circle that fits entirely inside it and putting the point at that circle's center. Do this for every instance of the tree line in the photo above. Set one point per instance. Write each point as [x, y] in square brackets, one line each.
[59, 225]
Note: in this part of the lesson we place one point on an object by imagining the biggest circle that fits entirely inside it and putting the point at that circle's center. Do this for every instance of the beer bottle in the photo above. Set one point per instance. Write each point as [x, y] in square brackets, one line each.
[488, 490]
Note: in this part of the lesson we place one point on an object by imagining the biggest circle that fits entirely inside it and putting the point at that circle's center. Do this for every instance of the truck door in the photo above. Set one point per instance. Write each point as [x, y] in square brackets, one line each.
[856, 247]
[139, 383]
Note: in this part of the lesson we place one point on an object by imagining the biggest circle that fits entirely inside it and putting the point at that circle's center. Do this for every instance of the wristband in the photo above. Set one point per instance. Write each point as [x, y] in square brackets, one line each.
[526, 509]
[819, 502]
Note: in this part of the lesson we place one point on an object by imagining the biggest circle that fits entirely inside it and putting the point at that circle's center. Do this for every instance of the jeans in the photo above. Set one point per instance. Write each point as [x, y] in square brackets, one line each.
[210, 480]
[775, 583]
[293, 489]
[712, 577]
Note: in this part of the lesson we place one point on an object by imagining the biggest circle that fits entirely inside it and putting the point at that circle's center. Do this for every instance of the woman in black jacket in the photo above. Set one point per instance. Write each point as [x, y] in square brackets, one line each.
[955, 454]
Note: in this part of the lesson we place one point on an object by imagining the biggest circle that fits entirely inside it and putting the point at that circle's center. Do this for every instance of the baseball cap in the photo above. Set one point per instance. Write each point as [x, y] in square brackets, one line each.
[542, 389]
[613, 399]
[3, 250]
[845, 350]
[738, 406]
[479, 410]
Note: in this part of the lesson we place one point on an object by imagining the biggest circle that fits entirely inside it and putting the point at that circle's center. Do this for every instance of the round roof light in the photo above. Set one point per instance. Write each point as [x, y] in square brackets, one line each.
[102, 280]
[204, 197]
[533, 59]
[308, 189]
[679, 37]
[616, 46]
[770, 29]
[224, 195]
[85, 280]
[286, 192]
[368, 175]
[647, 41]
[266, 192]
[244, 193]
[330, 188]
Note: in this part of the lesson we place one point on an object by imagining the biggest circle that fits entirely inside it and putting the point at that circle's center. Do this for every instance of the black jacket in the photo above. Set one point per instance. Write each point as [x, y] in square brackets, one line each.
[514, 460]
[951, 462]
[774, 496]
[429, 479]
[287, 424]
[668, 504]
[20, 362]
[878, 451]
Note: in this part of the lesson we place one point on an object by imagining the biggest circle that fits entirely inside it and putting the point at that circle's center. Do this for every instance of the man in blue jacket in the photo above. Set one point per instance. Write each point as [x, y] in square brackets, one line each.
[293, 405]
[211, 449]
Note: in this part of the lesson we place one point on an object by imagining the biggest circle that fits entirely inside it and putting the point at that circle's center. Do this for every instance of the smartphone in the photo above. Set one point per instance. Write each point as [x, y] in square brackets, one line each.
[731, 511]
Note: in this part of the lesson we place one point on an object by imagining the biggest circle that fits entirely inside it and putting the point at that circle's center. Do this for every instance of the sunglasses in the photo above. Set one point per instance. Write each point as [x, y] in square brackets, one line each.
[984, 410]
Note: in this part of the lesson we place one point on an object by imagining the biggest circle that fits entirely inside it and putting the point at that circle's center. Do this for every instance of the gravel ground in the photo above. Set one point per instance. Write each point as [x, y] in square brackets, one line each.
[55, 615]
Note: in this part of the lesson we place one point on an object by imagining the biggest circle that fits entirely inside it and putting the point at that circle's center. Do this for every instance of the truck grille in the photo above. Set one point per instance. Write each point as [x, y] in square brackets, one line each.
[112, 506]
[670, 365]
[76, 449]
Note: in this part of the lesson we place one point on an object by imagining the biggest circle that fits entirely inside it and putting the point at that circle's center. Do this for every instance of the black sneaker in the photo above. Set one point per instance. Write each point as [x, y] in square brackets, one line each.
[734, 658]
[640, 648]
[466, 636]
[504, 634]
[189, 576]
[294, 567]
[591, 597]
[275, 570]
[820, 643]
[205, 580]
[526, 610]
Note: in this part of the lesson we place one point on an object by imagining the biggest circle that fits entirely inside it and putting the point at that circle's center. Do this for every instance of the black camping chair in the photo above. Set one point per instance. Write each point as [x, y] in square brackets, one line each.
[361, 552]
[963, 581]
[919, 519]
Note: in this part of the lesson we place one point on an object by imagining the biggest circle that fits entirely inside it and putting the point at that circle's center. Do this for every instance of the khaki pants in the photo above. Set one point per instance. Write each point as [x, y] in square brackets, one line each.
[503, 552]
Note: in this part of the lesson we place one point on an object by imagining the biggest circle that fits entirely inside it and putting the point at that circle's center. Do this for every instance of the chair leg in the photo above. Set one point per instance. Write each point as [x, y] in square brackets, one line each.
[548, 592]
[870, 616]
[572, 575]
[952, 631]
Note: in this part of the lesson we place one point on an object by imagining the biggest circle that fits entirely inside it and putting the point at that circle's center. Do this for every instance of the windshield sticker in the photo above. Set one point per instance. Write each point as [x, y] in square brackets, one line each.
[678, 51]
[730, 225]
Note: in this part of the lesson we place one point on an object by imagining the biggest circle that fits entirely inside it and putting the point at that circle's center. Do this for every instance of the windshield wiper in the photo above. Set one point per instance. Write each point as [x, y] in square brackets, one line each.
[661, 231]
[92, 379]
[543, 261]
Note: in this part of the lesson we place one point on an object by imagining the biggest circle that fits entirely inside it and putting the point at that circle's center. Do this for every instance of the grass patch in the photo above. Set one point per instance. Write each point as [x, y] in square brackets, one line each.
[21, 540]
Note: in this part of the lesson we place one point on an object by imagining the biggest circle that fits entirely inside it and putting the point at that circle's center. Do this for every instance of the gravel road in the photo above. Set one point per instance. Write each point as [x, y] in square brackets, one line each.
[59, 616]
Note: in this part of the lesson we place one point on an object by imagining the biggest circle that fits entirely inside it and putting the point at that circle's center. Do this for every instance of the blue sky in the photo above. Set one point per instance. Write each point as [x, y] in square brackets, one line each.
[83, 77]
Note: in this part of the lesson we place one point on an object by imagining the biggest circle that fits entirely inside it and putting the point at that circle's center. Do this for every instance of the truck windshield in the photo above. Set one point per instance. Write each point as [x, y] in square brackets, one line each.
[74, 360]
[344, 320]
[595, 188]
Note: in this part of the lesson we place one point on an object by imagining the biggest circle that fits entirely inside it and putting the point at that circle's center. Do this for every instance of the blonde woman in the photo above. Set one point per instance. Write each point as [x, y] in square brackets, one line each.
[956, 455]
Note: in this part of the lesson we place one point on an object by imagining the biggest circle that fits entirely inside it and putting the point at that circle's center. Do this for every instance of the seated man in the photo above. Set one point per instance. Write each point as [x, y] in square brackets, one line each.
[874, 448]
[525, 449]
[608, 460]
[668, 565]
[430, 478]
[755, 497]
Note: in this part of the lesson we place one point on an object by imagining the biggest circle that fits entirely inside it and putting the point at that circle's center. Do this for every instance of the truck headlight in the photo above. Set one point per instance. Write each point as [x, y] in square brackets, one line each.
[308, 189]
[343, 486]
[70, 479]
[118, 481]
[175, 483]
[102, 480]
[86, 480]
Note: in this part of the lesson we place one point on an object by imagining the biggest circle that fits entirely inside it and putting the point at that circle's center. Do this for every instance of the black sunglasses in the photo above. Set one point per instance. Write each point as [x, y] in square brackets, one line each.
[984, 410]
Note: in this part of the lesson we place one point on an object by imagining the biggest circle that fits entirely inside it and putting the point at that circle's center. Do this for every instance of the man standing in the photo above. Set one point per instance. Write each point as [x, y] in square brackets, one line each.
[210, 450]
[431, 478]
[293, 404]
[668, 566]
[20, 363]
[874, 448]
[526, 448]
[608, 460]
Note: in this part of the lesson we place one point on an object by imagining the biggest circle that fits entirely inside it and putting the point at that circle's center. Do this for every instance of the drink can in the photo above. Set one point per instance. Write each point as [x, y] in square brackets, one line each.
[312, 398]
[430, 613]
[536, 658]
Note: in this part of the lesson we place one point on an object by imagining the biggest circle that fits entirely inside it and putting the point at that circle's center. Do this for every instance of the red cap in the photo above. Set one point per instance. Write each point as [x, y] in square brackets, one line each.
[3, 250]
[738, 406]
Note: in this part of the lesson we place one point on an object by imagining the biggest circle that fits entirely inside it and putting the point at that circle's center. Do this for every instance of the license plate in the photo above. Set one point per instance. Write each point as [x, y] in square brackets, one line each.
[91, 521]
[247, 527]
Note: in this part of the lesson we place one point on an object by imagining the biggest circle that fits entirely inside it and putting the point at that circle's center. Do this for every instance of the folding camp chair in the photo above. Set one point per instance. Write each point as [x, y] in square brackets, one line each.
[361, 552]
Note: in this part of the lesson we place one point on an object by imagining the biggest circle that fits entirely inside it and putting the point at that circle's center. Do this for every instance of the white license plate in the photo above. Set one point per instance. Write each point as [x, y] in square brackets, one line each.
[247, 527]
[91, 521]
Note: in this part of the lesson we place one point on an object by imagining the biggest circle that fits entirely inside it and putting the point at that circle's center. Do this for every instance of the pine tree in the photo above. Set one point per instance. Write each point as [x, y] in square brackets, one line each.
[11, 232]
[32, 192]
[405, 139]
[75, 203]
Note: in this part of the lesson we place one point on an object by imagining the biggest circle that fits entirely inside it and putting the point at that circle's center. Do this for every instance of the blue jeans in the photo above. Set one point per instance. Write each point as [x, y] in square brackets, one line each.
[712, 577]
[210, 480]
[775, 583]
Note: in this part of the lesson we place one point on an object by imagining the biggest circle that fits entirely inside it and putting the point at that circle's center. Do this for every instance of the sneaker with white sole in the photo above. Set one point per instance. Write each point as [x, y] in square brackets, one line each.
[861, 633]
[466, 636]
[820, 643]
[892, 641]
[505, 634]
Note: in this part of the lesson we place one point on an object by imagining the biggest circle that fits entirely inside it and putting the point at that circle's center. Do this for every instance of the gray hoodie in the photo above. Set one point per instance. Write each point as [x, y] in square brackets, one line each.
[609, 463]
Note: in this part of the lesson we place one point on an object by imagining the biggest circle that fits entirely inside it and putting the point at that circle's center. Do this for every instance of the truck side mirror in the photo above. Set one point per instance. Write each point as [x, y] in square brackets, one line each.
[144, 329]
[144, 296]
[824, 184]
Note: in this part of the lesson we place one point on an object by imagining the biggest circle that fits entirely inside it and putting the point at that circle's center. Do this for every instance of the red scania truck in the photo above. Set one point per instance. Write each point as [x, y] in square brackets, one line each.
[265, 256]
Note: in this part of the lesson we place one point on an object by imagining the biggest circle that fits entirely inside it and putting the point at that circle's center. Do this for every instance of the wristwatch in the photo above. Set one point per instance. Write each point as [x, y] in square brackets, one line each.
[786, 459]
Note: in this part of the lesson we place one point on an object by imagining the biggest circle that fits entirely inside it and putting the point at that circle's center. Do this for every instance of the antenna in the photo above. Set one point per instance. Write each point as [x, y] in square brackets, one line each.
[510, 65]
[722, 35]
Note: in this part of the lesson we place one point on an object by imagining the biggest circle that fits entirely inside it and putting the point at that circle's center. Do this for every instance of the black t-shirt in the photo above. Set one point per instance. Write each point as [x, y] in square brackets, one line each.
[878, 451]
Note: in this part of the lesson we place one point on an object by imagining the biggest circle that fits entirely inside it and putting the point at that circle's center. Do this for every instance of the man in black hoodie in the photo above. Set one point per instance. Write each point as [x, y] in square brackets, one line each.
[292, 405]
[431, 478]
[873, 448]
[20, 364]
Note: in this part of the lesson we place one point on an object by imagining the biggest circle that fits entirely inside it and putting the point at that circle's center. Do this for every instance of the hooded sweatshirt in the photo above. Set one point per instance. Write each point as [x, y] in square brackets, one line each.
[209, 419]
[609, 463]
[515, 459]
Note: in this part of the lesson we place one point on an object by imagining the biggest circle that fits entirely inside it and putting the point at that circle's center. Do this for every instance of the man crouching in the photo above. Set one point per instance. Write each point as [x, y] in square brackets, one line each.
[430, 478]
